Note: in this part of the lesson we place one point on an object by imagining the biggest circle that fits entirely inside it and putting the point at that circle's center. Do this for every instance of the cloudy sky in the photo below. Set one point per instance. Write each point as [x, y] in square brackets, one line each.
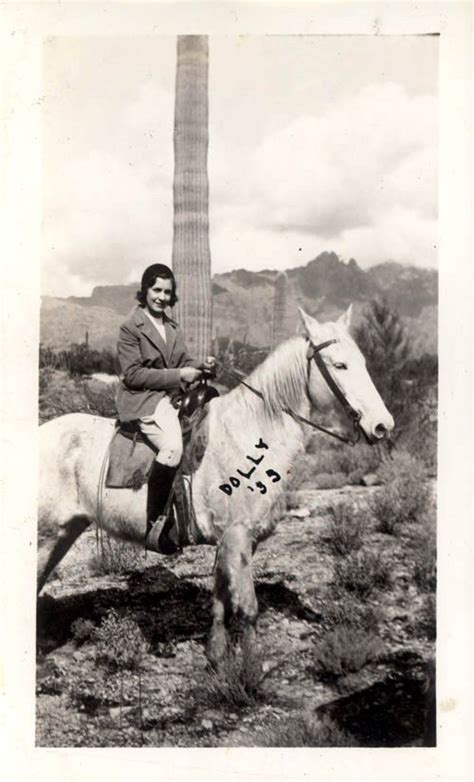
[316, 143]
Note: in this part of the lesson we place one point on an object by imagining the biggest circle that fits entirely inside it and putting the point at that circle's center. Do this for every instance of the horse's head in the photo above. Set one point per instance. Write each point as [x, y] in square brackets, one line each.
[337, 371]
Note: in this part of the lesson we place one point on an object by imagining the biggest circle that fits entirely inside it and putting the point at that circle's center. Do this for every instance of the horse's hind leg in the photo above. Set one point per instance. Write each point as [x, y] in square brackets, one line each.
[234, 592]
[52, 549]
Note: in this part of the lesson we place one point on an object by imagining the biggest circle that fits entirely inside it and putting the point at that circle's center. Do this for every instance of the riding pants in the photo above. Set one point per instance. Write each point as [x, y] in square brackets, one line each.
[164, 432]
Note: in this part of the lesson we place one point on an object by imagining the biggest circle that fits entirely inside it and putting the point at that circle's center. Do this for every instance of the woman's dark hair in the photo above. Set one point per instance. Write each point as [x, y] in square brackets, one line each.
[149, 279]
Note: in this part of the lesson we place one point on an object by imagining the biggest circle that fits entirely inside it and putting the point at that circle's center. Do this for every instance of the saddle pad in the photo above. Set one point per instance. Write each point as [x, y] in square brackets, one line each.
[130, 463]
[131, 458]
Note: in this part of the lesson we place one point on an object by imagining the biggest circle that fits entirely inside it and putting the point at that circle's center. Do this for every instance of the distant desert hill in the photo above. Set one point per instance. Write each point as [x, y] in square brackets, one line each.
[243, 302]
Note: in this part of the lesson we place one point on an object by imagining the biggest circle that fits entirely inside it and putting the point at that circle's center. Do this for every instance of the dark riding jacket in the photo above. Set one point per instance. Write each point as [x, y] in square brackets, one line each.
[149, 366]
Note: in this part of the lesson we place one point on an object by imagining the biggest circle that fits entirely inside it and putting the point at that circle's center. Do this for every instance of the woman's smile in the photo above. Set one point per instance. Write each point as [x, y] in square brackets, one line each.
[159, 295]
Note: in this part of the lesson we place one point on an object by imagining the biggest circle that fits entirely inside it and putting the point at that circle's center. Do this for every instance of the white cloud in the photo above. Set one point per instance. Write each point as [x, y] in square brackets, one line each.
[364, 172]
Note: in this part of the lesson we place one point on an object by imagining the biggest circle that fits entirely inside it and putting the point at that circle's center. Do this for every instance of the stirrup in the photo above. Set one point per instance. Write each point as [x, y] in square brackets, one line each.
[161, 544]
[152, 539]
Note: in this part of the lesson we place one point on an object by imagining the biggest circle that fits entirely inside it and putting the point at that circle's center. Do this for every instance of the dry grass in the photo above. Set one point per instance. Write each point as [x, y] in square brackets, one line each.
[115, 557]
[425, 562]
[426, 618]
[346, 650]
[362, 572]
[305, 731]
[237, 682]
[405, 497]
[347, 610]
[61, 394]
[346, 529]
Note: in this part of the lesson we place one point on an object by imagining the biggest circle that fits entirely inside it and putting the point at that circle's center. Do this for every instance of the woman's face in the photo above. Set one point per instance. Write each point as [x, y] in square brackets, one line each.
[158, 296]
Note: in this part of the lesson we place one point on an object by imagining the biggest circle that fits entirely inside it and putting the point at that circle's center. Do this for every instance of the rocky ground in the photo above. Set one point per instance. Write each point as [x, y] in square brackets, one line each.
[166, 701]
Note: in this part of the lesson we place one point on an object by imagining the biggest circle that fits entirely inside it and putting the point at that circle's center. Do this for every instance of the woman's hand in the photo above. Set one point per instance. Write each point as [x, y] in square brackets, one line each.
[210, 362]
[189, 374]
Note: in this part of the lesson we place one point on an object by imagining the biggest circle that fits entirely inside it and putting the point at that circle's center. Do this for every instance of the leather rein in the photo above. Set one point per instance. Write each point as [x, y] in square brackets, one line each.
[314, 354]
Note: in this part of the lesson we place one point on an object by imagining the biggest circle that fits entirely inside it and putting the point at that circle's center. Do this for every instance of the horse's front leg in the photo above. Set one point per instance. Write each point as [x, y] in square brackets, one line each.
[234, 592]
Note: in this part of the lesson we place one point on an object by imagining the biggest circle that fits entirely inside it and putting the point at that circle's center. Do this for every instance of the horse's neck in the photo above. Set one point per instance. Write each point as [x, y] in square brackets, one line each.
[282, 382]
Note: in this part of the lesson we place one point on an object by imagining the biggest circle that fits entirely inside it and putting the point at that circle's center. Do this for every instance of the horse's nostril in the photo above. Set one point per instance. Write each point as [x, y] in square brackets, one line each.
[380, 431]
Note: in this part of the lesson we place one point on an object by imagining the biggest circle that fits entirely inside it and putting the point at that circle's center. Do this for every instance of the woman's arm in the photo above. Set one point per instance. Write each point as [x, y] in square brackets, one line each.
[136, 375]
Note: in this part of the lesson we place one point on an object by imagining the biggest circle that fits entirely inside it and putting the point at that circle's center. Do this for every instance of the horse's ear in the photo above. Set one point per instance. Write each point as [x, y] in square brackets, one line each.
[309, 323]
[345, 319]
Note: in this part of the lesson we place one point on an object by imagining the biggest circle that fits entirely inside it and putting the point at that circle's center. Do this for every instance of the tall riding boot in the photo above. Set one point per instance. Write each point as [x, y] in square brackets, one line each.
[159, 487]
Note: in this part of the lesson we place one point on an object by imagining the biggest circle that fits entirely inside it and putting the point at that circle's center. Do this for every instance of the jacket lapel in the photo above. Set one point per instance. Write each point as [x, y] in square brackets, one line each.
[170, 337]
[146, 326]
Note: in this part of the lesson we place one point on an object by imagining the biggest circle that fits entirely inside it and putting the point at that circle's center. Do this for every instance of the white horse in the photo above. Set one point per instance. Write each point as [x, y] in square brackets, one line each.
[252, 443]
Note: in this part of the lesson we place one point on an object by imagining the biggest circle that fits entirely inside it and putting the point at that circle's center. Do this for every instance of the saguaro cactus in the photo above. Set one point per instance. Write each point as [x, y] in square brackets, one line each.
[280, 309]
[191, 252]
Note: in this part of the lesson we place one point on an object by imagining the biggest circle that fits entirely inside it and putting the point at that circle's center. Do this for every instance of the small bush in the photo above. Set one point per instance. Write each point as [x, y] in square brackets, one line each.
[235, 684]
[350, 612]
[120, 642]
[346, 650]
[406, 495]
[402, 466]
[362, 573]
[83, 630]
[424, 570]
[345, 529]
[426, 618]
[330, 480]
[101, 398]
[306, 732]
[302, 471]
[115, 557]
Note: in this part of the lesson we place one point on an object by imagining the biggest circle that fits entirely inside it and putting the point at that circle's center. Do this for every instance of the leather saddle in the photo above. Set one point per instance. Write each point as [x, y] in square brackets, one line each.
[131, 454]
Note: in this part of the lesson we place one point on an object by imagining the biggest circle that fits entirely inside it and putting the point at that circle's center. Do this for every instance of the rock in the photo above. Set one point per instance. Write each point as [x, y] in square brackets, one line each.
[300, 513]
[207, 724]
[115, 711]
[371, 479]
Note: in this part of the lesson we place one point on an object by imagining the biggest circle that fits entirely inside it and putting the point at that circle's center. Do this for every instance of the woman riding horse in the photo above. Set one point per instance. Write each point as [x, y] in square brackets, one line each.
[155, 364]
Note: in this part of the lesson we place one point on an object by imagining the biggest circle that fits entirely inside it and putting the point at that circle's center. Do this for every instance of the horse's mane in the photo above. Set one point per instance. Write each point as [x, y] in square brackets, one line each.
[281, 379]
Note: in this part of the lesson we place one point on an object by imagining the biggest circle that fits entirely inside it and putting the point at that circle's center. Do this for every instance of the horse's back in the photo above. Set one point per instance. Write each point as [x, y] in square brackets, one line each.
[72, 449]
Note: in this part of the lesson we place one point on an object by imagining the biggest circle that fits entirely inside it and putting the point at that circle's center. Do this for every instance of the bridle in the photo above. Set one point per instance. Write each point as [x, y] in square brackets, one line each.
[314, 353]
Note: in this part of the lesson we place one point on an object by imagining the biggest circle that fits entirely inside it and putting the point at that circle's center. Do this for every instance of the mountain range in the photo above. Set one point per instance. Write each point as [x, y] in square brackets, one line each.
[243, 302]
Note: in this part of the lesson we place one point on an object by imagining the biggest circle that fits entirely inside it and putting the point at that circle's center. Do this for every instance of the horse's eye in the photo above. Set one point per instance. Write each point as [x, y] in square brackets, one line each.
[340, 365]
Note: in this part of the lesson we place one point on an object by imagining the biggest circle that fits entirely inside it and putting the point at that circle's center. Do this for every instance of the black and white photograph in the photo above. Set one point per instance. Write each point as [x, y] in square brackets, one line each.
[239, 473]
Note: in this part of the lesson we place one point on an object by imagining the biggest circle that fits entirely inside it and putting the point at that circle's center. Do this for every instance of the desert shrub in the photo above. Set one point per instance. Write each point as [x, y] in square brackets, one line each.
[426, 618]
[305, 731]
[405, 496]
[348, 611]
[344, 650]
[235, 684]
[345, 532]
[115, 557]
[60, 394]
[424, 568]
[407, 382]
[354, 478]
[120, 642]
[83, 630]
[101, 398]
[327, 480]
[302, 472]
[334, 464]
[362, 572]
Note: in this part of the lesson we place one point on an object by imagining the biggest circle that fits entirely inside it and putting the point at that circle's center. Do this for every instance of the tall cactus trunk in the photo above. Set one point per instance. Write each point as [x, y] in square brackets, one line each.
[191, 252]
[280, 310]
